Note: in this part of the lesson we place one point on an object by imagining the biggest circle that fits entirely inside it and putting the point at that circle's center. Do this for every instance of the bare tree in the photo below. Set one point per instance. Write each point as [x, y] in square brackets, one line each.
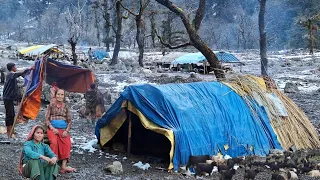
[153, 27]
[312, 27]
[107, 25]
[246, 36]
[263, 39]
[118, 32]
[141, 27]
[75, 25]
[95, 7]
[195, 39]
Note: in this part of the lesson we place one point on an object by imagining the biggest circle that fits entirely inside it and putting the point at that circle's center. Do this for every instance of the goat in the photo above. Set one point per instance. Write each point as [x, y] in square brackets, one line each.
[227, 174]
[204, 168]
[281, 176]
[250, 173]
[193, 160]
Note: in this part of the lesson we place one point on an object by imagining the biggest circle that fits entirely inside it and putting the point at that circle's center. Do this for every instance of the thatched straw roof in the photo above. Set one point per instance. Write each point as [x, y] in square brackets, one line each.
[292, 130]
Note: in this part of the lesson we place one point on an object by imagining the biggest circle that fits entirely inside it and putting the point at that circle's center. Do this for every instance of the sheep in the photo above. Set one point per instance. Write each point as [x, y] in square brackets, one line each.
[281, 176]
[293, 175]
[314, 173]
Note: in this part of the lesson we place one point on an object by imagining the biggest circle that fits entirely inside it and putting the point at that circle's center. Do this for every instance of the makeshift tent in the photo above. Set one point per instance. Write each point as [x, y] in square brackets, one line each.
[100, 54]
[196, 118]
[68, 77]
[28, 49]
[194, 58]
[40, 49]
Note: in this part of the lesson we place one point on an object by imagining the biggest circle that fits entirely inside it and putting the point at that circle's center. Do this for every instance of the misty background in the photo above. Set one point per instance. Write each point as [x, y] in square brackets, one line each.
[228, 24]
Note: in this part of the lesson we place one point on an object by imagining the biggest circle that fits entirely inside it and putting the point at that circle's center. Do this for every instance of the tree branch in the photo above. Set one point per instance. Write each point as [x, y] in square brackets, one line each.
[126, 16]
[112, 26]
[143, 6]
[199, 15]
[171, 6]
[175, 9]
[128, 10]
[170, 46]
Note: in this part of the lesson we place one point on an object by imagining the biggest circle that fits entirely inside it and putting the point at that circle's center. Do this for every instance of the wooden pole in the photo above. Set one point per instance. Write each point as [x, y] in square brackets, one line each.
[129, 134]
[20, 107]
[24, 95]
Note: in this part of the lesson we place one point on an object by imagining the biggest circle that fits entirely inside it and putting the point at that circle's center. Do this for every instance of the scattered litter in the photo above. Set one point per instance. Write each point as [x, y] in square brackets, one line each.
[124, 158]
[142, 166]
[88, 146]
[227, 156]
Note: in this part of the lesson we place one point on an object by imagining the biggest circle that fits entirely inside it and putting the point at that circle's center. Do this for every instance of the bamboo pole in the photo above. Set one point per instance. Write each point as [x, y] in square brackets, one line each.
[129, 135]
[24, 94]
[20, 107]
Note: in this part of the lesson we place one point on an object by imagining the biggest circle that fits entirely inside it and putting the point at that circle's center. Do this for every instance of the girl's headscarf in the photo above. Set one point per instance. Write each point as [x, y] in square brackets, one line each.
[30, 136]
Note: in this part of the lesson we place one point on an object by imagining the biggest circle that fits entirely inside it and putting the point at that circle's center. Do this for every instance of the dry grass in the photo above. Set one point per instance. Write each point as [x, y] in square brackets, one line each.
[293, 130]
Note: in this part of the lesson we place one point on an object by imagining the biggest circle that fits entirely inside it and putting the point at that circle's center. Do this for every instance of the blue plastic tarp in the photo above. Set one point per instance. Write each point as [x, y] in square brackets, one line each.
[41, 50]
[199, 57]
[204, 116]
[100, 54]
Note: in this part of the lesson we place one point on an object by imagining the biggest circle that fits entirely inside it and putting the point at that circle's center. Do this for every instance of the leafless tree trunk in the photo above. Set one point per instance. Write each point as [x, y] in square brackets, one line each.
[195, 39]
[241, 30]
[118, 32]
[153, 27]
[75, 25]
[20, 32]
[95, 7]
[263, 39]
[140, 37]
[311, 38]
[107, 24]
[73, 44]
[312, 27]
[141, 27]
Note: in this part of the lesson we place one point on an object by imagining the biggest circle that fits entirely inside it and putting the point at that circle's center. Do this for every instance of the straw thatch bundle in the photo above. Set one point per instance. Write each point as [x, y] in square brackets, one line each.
[292, 130]
[297, 126]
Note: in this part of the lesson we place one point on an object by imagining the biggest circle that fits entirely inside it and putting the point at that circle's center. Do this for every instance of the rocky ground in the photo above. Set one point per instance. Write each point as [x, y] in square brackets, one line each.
[297, 68]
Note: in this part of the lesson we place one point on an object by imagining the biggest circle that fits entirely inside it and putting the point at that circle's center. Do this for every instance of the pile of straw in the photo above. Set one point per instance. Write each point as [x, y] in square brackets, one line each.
[293, 130]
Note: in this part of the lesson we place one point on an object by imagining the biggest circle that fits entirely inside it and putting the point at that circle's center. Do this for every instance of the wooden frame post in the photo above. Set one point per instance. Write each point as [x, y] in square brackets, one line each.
[129, 133]
[24, 94]
[21, 103]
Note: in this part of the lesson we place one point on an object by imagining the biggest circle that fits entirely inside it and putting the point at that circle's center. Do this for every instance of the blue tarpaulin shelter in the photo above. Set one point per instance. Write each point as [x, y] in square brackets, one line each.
[204, 118]
[100, 54]
[199, 57]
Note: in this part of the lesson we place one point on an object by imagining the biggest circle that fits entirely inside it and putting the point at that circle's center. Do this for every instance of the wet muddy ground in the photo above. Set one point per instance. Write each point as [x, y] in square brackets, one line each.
[91, 165]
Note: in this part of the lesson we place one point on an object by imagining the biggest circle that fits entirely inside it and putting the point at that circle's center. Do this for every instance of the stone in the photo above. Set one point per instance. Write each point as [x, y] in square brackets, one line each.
[291, 88]
[146, 71]
[114, 168]
[193, 75]
[164, 75]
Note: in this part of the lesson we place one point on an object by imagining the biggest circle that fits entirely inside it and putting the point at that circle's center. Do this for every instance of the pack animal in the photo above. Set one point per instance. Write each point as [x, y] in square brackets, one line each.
[193, 160]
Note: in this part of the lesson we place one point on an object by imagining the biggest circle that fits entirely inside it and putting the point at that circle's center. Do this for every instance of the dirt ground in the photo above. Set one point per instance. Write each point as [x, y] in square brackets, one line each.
[90, 165]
